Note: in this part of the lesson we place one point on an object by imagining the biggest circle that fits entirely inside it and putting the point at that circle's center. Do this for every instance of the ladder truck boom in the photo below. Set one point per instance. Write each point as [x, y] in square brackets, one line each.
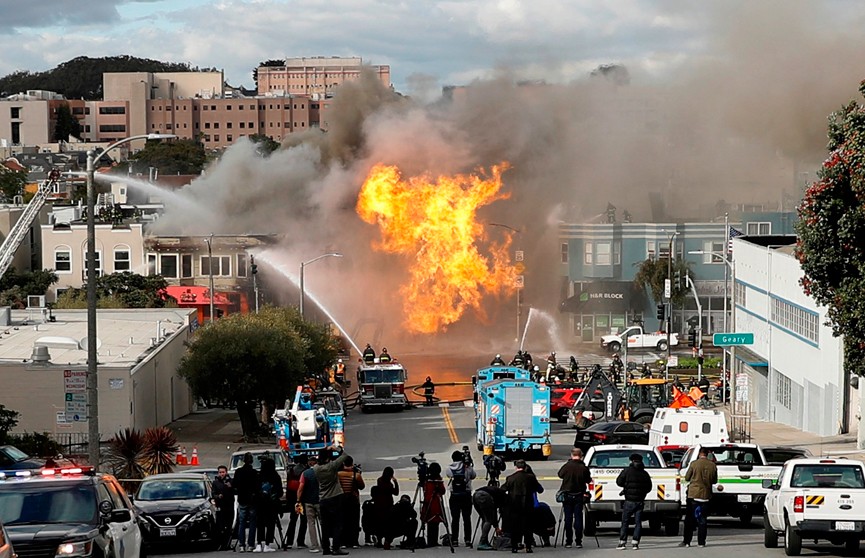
[19, 231]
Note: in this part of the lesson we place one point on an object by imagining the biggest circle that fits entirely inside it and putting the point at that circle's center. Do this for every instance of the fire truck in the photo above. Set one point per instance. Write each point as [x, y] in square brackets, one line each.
[382, 386]
[512, 412]
[313, 421]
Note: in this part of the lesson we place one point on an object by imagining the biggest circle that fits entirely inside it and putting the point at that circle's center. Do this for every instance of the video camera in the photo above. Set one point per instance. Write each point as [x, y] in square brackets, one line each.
[422, 467]
[495, 466]
[467, 457]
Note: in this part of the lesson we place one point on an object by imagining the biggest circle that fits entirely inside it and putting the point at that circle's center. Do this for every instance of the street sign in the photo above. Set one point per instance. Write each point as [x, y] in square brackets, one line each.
[667, 288]
[520, 281]
[520, 268]
[75, 381]
[519, 255]
[674, 360]
[732, 339]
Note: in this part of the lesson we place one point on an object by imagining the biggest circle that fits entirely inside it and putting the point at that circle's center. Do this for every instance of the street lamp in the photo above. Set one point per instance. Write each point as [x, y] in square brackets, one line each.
[670, 309]
[304, 264]
[732, 265]
[518, 257]
[93, 438]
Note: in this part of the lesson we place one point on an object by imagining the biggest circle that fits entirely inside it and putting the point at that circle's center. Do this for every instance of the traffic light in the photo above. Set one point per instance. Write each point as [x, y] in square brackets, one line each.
[253, 267]
[677, 278]
[692, 338]
[662, 314]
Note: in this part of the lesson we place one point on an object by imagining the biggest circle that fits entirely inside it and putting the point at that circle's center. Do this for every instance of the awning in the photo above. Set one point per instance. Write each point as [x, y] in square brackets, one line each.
[750, 358]
[193, 295]
[605, 297]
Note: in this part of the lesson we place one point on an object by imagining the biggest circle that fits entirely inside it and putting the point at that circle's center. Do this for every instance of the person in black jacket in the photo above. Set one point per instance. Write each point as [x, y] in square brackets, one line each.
[223, 495]
[575, 479]
[267, 506]
[247, 485]
[521, 487]
[635, 483]
[489, 501]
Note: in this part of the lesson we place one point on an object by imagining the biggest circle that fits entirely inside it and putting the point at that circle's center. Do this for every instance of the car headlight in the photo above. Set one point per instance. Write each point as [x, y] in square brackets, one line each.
[68, 549]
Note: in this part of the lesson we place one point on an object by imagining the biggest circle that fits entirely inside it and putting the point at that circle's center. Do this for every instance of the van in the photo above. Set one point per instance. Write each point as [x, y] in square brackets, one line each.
[688, 427]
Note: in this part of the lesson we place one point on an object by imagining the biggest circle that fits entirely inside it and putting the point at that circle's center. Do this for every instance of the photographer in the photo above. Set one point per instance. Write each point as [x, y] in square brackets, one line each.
[351, 481]
[386, 488]
[330, 493]
[489, 501]
[521, 487]
[432, 510]
[461, 473]
[495, 466]
[575, 479]
[402, 522]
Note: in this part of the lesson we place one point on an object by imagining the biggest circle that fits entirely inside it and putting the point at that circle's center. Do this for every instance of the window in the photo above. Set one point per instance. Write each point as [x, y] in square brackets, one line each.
[241, 265]
[707, 428]
[151, 264]
[168, 266]
[798, 320]
[63, 259]
[564, 252]
[98, 266]
[15, 112]
[650, 250]
[603, 251]
[663, 251]
[617, 253]
[112, 110]
[587, 255]
[186, 265]
[759, 228]
[221, 266]
[112, 127]
[710, 246]
[121, 258]
[783, 389]
[739, 294]
[207, 125]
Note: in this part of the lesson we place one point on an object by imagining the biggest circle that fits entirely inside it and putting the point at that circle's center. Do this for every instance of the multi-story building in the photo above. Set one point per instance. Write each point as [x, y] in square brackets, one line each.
[318, 76]
[793, 373]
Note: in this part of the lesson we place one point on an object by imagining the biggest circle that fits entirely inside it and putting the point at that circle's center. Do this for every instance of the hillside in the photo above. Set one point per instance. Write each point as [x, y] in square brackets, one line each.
[81, 78]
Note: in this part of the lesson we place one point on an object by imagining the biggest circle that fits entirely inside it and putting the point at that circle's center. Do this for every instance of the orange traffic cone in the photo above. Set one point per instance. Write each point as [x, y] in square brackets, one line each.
[194, 456]
[283, 443]
[183, 455]
[178, 459]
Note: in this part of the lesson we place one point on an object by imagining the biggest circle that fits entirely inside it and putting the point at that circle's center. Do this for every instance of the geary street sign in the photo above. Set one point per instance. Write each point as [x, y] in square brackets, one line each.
[732, 339]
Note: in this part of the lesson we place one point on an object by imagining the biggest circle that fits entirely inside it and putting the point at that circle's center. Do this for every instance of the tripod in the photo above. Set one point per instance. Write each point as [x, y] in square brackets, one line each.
[560, 533]
[426, 506]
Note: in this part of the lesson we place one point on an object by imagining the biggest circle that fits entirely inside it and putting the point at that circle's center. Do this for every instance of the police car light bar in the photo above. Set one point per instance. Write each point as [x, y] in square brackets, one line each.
[50, 472]
[14, 473]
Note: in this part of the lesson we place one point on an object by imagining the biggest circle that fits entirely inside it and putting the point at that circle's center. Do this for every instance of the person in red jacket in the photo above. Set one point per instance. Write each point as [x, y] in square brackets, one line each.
[432, 509]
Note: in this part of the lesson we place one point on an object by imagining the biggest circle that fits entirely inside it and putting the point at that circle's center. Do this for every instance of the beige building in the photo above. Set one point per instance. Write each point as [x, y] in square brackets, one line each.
[139, 351]
[318, 76]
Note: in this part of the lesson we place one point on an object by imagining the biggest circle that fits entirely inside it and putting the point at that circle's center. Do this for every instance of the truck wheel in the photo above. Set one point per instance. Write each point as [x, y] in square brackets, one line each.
[745, 518]
[645, 419]
[852, 546]
[671, 526]
[770, 536]
[614, 347]
[792, 541]
[662, 345]
[589, 526]
[655, 524]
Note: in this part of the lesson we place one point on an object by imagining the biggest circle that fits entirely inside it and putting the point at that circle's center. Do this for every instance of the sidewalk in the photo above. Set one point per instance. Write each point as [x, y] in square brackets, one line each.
[774, 434]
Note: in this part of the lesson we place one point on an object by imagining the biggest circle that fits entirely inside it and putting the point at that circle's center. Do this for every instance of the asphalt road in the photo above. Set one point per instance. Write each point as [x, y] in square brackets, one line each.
[392, 439]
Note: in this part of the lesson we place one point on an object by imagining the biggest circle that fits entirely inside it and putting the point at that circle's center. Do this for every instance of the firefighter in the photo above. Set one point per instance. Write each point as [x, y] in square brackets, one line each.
[340, 371]
[384, 356]
[518, 359]
[369, 354]
[429, 390]
[497, 361]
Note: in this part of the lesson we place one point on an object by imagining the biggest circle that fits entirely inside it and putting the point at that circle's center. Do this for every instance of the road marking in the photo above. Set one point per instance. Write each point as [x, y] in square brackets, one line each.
[450, 426]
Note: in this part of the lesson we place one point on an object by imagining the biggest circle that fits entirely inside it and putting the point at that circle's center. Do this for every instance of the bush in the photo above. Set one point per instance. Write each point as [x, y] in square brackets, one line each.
[35, 444]
[691, 362]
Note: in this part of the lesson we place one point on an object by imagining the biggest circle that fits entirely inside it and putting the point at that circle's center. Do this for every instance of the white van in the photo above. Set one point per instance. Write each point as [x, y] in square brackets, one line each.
[688, 427]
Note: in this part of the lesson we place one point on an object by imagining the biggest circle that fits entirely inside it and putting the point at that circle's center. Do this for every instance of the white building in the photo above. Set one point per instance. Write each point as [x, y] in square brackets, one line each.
[794, 371]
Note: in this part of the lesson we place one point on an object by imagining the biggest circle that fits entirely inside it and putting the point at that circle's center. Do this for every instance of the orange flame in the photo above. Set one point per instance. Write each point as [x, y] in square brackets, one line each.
[434, 222]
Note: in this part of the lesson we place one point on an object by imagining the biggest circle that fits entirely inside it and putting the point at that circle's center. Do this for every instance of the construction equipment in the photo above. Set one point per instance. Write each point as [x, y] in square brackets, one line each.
[599, 386]
[19, 231]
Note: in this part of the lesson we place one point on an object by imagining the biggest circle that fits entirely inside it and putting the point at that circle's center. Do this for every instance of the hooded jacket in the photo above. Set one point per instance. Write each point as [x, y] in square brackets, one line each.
[457, 468]
[635, 482]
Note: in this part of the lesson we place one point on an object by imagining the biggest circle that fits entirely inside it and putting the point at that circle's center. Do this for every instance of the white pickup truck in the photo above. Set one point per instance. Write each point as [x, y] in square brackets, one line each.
[816, 499]
[741, 471]
[605, 500]
[638, 339]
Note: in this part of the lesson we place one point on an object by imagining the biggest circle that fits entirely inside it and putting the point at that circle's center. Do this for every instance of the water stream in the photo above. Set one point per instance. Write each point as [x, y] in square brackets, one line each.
[552, 329]
[170, 198]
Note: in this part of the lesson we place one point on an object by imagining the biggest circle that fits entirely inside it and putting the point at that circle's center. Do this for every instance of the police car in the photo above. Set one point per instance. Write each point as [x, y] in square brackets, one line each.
[70, 512]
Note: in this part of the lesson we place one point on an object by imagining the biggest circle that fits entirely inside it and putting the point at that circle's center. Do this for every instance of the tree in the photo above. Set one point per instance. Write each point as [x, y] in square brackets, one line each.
[8, 421]
[16, 286]
[255, 357]
[831, 230]
[652, 274]
[170, 157]
[66, 124]
[122, 290]
[11, 182]
[265, 144]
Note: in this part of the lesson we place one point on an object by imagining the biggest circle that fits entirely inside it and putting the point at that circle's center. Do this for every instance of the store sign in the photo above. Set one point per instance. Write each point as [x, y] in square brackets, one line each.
[709, 288]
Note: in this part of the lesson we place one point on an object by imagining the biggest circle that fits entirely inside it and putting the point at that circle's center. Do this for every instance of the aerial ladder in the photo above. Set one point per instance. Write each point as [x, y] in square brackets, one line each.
[19, 231]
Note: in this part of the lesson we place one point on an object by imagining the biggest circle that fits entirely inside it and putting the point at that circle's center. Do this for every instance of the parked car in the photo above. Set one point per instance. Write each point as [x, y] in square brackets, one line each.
[673, 455]
[6, 550]
[68, 512]
[177, 507]
[12, 458]
[279, 457]
[211, 472]
[612, 432]
[778, 455]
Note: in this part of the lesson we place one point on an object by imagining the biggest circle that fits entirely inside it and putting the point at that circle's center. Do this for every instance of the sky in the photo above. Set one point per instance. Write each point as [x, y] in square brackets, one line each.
[427, 43]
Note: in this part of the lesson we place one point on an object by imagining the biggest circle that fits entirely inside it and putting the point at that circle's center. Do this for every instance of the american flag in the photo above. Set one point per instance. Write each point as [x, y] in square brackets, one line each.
[733, 234]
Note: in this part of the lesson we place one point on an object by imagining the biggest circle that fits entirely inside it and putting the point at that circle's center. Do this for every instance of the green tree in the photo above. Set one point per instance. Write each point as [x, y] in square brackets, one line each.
[8, 421]
[170, 157]
[122, 290]
[16, 286]
[253, 358]
[831, 230]
[651, 276]
[66, 124]
[11, 182]
[265, 144]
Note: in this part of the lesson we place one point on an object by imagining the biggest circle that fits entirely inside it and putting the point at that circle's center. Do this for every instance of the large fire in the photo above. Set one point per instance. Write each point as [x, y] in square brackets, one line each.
[433, 223]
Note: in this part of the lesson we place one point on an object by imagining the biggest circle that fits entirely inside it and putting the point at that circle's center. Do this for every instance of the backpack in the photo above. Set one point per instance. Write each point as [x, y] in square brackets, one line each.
[459, 482]
[267, 491]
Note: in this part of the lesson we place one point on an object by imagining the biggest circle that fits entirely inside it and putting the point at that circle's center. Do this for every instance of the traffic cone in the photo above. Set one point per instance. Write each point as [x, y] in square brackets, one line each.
[194, 456]
[283, 443]
[178, 459]
[183, 455]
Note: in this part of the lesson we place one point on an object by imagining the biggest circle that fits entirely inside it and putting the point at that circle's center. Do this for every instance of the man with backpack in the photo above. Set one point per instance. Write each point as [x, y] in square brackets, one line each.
[460, 475]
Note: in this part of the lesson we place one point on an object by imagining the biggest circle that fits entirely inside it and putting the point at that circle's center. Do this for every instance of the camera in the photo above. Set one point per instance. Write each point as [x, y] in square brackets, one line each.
[357, 468]
[467, 457]
[495, 465]
[422, 467]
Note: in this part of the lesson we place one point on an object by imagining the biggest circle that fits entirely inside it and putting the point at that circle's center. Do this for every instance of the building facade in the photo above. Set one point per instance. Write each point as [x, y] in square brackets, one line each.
[318, 76]
[793, 373]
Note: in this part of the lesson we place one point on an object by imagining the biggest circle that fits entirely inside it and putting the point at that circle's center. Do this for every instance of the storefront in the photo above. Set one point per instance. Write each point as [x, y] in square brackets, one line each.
[601, 307]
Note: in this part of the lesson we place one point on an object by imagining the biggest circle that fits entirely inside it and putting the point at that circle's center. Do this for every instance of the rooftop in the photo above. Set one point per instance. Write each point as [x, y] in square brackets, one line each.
[123, 335]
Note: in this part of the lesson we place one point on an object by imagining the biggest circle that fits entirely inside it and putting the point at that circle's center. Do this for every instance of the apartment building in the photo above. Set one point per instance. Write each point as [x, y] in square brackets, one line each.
[318, 76]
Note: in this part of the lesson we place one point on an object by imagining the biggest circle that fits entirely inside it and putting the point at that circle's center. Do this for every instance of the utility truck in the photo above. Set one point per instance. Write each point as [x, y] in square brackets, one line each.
[816, 499]
[688, 426]
[636, 338]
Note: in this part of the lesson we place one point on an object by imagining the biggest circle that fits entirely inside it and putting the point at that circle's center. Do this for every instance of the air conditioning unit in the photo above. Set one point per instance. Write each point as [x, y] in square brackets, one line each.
[35, 301]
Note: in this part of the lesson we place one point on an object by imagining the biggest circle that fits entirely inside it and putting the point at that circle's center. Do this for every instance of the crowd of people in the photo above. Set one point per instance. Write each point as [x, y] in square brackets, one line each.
[323, 497]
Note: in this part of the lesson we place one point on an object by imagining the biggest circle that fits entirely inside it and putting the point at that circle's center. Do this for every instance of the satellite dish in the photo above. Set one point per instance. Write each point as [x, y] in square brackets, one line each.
[83, 343]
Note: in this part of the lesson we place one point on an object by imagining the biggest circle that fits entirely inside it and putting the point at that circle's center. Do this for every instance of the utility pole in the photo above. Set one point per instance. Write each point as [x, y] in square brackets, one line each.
[670, 304]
